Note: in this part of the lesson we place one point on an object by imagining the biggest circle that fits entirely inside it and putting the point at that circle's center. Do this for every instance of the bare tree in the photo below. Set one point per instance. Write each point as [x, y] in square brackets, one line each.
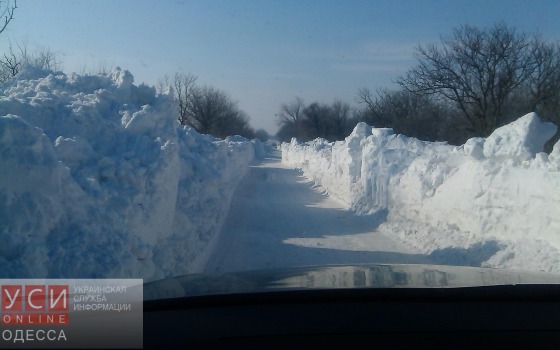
[409, 114]
[292, 112]
[237, 125]
[475, 70]
[262, 135]
[183, 85]
[315, 119]
[544, 82]
[10, 65]
[371, 114]
[331, 122]
[339, 120]
[20, 55]
[543, 86]
[286, 132]
[208, 108]
[211, 111]
[205, 108]
[290, 120]
[7, 9]
[42, 58]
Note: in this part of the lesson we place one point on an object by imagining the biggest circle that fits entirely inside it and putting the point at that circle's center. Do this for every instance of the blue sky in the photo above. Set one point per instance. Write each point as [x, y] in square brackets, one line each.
[263, 53]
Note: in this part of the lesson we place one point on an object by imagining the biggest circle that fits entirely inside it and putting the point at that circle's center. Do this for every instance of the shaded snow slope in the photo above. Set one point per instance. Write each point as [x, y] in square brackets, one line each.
[98, 180]
[499, 195]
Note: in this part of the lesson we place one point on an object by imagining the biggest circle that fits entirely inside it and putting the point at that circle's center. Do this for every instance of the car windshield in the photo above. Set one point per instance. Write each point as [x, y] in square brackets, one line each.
[157, 139]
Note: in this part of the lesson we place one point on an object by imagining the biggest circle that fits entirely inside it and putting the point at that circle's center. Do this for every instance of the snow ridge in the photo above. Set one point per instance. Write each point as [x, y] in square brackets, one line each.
[98, 180]
[501, 192]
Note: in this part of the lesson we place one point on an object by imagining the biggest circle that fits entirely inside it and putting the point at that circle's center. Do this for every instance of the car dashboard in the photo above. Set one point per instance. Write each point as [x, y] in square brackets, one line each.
[512, 315]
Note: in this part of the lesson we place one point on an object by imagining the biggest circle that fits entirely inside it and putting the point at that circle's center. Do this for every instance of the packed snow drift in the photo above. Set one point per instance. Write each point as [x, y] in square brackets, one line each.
[497, 198]
[98, 180]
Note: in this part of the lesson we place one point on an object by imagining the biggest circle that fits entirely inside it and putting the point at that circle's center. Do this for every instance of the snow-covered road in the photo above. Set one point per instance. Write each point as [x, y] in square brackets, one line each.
[278, 219]
[95, 193]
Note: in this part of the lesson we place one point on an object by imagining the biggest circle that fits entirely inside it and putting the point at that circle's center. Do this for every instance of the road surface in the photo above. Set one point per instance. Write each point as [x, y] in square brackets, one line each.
[278, 219]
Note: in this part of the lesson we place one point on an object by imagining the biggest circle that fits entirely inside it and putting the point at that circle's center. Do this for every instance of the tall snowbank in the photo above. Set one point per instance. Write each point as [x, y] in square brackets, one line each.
[501, 187]
[98, 180]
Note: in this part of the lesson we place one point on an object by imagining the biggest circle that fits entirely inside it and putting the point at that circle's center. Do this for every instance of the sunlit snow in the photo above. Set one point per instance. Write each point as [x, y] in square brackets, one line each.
[493, 201]
[97, 179]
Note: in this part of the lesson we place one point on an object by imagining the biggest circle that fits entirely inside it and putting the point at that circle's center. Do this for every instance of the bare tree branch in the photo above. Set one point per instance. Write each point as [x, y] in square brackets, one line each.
[7, 14]
[477, 70]
[183, 84]
[291, 113]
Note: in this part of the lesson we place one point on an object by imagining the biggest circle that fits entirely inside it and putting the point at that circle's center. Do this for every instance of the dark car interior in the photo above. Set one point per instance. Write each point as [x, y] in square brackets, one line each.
[509, 316]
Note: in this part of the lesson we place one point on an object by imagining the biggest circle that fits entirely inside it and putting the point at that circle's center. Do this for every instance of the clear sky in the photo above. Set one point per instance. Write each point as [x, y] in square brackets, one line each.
[262, 52]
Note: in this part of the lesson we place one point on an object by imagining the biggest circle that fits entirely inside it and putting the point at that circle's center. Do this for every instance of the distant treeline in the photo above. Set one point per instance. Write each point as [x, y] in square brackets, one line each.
[469, 84]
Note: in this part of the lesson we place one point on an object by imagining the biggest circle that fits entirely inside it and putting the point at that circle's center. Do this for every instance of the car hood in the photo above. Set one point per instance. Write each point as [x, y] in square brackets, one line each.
[340, 276]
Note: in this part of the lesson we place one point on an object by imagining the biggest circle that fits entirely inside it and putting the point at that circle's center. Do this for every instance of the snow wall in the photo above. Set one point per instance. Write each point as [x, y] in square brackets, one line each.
[98, 180]
[502, 187]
